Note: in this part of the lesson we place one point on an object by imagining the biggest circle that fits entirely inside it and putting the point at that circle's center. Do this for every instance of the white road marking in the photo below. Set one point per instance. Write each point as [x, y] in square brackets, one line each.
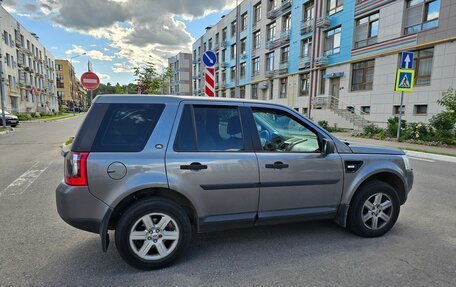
[23, 182]
[421, 159]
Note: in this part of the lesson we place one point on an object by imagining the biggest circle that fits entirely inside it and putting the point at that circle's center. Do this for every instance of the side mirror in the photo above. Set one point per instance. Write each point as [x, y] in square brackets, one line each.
[328, 146]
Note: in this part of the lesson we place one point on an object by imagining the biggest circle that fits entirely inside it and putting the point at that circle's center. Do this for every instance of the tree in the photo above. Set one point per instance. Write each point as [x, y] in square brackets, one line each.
[149, 80]
[448, 101]
[118, 89]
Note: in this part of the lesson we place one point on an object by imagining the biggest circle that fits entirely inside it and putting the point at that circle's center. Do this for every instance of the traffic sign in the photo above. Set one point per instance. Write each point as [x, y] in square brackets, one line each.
[405, 80]
[209, 59]
[90, 81]
[209, 88]
[407, 60]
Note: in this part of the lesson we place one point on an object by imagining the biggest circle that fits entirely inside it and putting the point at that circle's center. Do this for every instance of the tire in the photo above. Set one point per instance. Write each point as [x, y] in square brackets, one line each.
[133, 238]
[377, 217]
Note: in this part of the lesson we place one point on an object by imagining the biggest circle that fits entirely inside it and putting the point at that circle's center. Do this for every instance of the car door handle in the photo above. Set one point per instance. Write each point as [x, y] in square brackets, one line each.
[194, 166]
[277, 165]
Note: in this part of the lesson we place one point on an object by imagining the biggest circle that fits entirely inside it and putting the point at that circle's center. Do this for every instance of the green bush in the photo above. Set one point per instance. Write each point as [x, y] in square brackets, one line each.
[36, 115]
[417, 131]
[372, 130]
[391, 128]
[323, 124]
[24, 117]
[444, 125]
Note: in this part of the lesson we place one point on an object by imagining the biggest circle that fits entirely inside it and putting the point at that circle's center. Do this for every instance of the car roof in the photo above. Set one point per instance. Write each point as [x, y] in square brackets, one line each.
[167, 99]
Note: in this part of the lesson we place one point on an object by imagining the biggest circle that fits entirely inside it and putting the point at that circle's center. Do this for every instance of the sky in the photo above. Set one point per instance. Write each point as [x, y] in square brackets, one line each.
[117, 35]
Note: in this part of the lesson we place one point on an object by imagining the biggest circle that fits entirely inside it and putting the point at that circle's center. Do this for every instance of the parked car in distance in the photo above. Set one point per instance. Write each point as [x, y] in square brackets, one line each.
[157, 168]
[11, 120]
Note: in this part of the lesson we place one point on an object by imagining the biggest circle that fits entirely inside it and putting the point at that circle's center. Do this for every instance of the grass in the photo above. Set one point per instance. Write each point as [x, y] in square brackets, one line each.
[68, 142]
[430, 152]
[2, 130]
[54, 116]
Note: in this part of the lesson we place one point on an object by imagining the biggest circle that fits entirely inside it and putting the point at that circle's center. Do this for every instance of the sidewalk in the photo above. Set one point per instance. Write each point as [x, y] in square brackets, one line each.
[38, 120]
[450, 151]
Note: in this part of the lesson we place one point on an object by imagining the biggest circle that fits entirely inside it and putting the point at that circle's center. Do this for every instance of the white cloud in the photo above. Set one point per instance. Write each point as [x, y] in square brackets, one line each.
[122, 68]
[105, 77]
[93, 54]
[139, 30]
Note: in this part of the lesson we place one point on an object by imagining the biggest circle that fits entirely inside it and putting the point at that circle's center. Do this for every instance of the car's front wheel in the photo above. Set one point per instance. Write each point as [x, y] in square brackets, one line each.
[374, 209]
[152, 233]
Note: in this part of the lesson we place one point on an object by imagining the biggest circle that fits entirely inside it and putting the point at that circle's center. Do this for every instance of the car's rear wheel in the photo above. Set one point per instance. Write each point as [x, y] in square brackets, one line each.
[152, 233]
[374, 210]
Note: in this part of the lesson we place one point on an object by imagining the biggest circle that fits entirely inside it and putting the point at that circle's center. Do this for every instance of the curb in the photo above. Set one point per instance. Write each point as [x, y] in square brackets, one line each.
[430, 156]
[9, 131]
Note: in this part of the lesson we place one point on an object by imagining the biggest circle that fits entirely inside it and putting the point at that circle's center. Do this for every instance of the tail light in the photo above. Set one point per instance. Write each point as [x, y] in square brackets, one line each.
[76, 169]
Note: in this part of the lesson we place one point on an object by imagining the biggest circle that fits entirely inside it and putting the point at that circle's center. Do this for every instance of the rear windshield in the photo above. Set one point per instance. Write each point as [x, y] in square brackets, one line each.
[123, 128]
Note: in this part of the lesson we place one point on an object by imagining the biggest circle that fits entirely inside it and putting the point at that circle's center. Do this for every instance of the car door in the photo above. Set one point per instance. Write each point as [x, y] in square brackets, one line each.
[296, 179]
[213, 164]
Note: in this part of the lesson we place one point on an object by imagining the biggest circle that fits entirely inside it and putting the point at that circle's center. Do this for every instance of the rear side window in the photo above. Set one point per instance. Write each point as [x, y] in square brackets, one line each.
[217, 128]
[127, 127]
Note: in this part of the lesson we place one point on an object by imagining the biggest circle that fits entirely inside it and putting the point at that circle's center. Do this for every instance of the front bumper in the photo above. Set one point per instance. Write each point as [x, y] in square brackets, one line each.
[79, 208]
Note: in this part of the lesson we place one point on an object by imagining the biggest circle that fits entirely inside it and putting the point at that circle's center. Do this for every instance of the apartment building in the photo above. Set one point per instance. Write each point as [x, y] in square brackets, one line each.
[70, 92]
[28, 69]
[334, 60]
[180, 83]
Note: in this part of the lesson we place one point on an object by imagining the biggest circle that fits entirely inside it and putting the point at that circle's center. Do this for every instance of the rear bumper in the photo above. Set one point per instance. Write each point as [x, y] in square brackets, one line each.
[80, 209]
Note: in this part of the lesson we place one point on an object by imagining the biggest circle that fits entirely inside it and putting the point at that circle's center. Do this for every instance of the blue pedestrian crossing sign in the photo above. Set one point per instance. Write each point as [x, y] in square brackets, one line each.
[209, 59]
[405, 80]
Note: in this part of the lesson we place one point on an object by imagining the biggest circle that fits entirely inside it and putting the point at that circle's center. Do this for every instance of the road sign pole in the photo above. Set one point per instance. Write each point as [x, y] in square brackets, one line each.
[91, 97]
[400, 117]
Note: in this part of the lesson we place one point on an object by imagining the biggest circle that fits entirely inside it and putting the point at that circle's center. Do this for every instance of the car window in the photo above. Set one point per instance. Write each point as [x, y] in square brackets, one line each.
[217, 129]
[280, 132]
[127, 127]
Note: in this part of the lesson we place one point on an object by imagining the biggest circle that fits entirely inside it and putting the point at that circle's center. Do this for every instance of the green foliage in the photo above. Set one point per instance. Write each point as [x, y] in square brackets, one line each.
[445, 127]
[417, 131]
[149, 80]
[372, 130]
[323, 124]
[391, 129]
[448, 101]
[36, 115]
[24, 117]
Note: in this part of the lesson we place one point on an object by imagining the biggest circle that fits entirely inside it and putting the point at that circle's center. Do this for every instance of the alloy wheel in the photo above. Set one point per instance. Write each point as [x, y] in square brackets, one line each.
[377, 211]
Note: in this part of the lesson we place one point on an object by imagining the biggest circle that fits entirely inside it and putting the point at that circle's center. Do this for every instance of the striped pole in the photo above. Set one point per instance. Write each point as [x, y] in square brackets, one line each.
[210, 82]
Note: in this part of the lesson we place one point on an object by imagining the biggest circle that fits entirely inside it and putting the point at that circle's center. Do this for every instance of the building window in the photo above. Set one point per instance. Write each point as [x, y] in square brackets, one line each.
[210, 44]
[233, 73]
[420, 110]
[223, 55]
[223, 77]
[334, 6]
[363, 75]
[233, 93]
[423, 67]
[306, 47]
[243, 46]
[308, 11]
[271, 32]
[243, 69]
[233, 28]
[421, 15]
[366, 30]
[256, 40]
[284, 53]
[256, 66]
[283, 88]
[332, 41]
[270, 62]
[366, 110]
[397, 108]
[242, 92]
[272, 4]
[257, 12]
[223, 94]
[322, 82]
[254, 94]
[233, 51]
[304, 84]
[244, 21]
[286, 22]
[224, 34]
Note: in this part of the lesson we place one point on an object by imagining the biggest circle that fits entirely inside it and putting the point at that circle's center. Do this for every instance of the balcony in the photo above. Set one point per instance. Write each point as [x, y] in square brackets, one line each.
[307, 26]
[323, 22]
[285, 4]
[225, 65]
[283, 68]
[321, 61]
[269, 74]
[304, 62]
[273, 13]
[283, 39]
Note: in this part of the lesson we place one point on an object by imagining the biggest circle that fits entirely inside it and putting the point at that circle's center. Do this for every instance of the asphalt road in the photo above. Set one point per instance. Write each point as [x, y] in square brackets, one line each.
[38, 249]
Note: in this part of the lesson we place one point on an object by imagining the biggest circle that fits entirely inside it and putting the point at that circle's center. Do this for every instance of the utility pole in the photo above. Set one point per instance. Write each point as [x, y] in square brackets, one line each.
[400, 117]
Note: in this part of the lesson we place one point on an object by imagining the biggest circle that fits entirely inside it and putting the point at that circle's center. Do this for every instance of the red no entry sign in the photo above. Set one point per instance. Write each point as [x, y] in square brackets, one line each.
[90, 81]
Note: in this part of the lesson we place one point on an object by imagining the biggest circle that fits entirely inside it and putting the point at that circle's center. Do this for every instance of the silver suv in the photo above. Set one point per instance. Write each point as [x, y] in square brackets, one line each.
[156, 169]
